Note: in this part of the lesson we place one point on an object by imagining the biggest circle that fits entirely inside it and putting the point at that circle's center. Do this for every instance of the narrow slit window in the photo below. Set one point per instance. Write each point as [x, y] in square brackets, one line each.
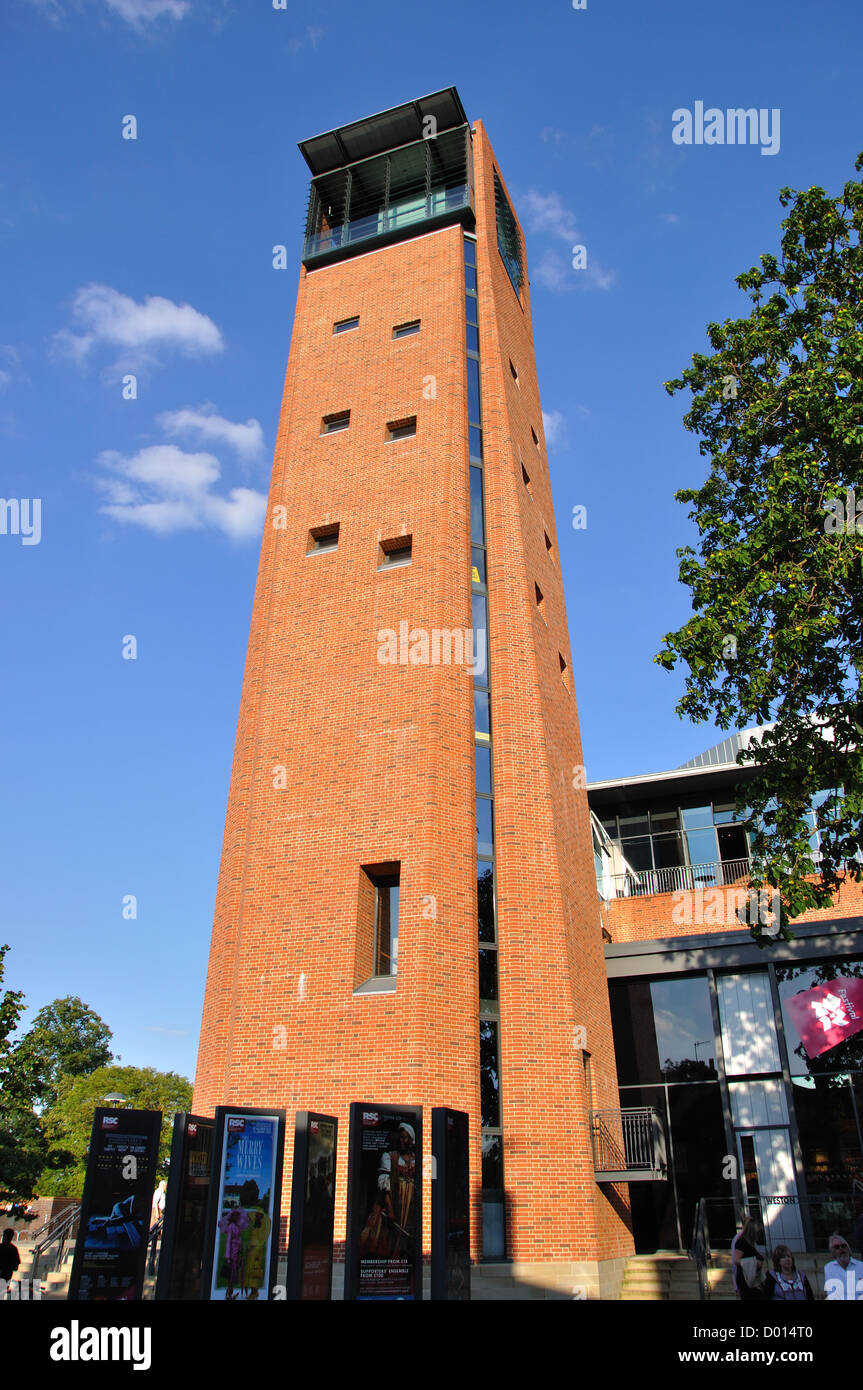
[513, 371]
[405, 330]
[540, 601]
[525, 477]
[323, 538]
[402, 429]
[548, 544]
[534, 436]
[398, 550]
[331, 424]
[564, 672]
[345, 325]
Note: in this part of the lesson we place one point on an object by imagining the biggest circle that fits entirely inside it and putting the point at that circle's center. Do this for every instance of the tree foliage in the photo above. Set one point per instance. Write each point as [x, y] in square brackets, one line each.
[70, 1121]
[22, 1146]
[776, 635]
[66, 1038]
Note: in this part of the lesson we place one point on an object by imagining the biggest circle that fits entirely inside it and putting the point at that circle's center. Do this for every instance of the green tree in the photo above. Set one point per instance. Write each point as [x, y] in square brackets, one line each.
[66, 1038]
[776, 634]
[22, 1143]
[69, 1122]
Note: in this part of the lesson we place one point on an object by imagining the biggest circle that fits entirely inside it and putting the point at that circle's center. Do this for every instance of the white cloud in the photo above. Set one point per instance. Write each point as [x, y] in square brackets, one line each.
[545, 213]
[141, 12]
[105, 316]
[554, 425]
[556, 273]
[138, 13]
[550, 132]
[246, 440]
[5, 378]
[164, 489]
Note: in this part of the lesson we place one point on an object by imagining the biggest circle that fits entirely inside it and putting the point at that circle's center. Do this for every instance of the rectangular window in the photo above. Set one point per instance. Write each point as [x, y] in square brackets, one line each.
[477, 561]
[513, 371]
[402, 429]
[485, 901]
[345, 325]
[332, 423]
[398, 550]
[477, 521]
[323, 538]
[483, 770]
[386, 926]
[489, 1073]
[484, 826]
[480, 639]
[508, 239]
[473, 407]
[404, 330]
[379, 919]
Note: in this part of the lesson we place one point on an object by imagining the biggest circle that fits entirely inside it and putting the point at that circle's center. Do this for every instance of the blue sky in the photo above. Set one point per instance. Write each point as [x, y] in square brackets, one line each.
[153, 257]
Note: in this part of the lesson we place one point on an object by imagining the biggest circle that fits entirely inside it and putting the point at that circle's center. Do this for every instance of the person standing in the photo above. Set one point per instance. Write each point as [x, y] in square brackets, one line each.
[747, 1276]
[9, 1257]
[785, 1283]
[843, 1277]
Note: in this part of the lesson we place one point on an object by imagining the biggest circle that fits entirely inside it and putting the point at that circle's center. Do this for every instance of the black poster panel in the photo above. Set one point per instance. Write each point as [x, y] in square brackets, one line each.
[241, 1239]
[313, 1207]
[383, 1257]
[450, 1255]
[182, 1249]
[111, 1247]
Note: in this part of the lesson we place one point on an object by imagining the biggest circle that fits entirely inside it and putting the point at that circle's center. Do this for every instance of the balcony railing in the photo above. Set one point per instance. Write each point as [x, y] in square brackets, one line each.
[628, 1145]
[684, 876]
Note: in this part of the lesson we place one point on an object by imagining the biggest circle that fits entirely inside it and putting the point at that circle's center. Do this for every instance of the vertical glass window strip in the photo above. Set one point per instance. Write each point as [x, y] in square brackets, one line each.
[492, 1142]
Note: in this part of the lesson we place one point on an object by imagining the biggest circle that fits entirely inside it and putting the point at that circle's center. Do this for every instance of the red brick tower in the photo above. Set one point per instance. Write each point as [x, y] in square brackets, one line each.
[407, 771]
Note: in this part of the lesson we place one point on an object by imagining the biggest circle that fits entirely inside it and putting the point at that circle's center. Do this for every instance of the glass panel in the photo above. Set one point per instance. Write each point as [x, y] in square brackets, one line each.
[829, 1117]
[492, 1161]
[635, 1049]
[477, 562]
[637, 853]
[634, 825]
[724, 814]
[483, 769]
[663, 822]
[470, 277]
[469, 251]
[480, 639]
[477, 519]
[470, 308]
[472, 338]
[484, 827]
[473, 410]
[847, 1054]
[748, 1027]
[485, 901]
[480, 712]
[702, 849]
[489, 1074]
[696, 817]
[668, 851]
[387, 928]
[488, 974]
[732, 843]
[475, 445]
[684, 1028]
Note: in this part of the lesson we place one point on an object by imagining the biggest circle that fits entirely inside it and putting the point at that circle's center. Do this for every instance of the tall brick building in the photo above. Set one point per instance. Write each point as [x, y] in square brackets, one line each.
[407, 907]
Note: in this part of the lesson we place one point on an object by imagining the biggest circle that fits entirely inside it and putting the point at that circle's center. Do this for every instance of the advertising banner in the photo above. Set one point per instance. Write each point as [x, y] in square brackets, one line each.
[828, 1014]
[383, 1258]
[450, 1257]
[182, 1251]
[111, 1247]
[313, 1207]
[245, 1201]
